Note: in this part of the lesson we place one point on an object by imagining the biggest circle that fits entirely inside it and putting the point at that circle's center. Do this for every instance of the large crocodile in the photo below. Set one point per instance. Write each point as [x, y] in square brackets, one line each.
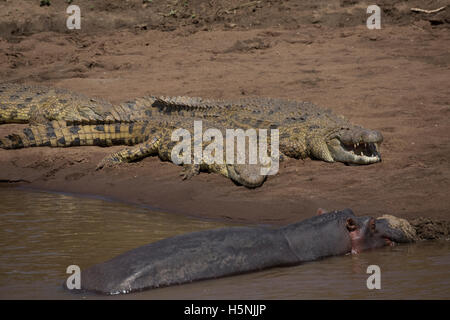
[60, 118]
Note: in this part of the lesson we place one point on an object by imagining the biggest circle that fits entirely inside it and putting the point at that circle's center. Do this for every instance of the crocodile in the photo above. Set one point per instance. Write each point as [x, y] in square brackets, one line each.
[61, 118]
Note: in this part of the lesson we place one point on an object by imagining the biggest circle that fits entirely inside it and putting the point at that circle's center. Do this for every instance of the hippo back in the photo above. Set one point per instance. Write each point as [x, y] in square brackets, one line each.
[185, 258]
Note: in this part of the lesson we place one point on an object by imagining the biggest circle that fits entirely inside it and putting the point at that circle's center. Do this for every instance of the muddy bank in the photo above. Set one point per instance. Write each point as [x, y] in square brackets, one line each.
[394, 80]
[157, 185]
[431, 229]
[20, 17]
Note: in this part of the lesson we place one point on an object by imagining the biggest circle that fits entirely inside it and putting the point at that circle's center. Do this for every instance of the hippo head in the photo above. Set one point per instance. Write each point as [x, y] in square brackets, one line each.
[340, 232]
[369, 233]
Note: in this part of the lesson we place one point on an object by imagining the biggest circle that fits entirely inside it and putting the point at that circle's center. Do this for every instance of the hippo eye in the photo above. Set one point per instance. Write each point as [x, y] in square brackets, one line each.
[351, 225]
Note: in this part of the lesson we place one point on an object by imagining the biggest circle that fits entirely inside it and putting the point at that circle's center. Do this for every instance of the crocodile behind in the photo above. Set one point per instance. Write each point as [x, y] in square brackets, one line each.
[60, 118]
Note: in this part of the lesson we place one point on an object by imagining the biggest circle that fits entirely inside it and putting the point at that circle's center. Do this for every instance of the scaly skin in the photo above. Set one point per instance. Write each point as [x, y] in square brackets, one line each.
[60, 118]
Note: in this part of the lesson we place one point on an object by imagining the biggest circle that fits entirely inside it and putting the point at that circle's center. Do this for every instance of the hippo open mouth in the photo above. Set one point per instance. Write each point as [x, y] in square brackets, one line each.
[365, 235]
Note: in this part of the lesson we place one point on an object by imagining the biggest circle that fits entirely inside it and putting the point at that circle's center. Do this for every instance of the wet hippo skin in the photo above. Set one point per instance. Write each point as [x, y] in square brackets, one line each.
[234, 250]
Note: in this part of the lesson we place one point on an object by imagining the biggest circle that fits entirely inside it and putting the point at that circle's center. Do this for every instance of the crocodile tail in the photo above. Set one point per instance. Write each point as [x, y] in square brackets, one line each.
[57, 134]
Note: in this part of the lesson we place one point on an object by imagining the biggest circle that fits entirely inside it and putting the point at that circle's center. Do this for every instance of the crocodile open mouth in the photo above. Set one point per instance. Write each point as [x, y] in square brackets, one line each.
[366, 151]
[355, 153]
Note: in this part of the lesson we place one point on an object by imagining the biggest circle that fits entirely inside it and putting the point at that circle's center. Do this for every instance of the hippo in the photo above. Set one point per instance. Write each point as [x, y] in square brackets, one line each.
[234, 250]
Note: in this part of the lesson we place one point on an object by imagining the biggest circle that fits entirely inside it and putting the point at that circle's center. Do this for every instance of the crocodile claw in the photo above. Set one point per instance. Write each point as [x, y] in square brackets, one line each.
[189, 171]
[107, 162]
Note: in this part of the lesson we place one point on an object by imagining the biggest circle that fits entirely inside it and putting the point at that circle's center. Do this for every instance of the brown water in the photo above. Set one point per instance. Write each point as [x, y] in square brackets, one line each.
[43, 233]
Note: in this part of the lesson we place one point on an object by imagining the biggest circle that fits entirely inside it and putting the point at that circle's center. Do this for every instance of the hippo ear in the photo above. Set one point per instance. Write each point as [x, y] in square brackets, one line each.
[321, 211]
[351, 225]
[372, 225]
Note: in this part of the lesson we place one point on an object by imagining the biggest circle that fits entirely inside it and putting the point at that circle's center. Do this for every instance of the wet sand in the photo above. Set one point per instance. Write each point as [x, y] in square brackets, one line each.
[394, 80]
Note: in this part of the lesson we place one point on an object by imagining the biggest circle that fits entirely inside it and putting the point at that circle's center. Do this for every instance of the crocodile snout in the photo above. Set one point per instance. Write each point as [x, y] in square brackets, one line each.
[350, 136]
[371, 136]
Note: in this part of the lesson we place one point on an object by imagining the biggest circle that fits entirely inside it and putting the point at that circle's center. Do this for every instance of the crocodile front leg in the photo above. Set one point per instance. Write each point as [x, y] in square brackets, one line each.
[248, 175]
[130, 154]
[189, 170]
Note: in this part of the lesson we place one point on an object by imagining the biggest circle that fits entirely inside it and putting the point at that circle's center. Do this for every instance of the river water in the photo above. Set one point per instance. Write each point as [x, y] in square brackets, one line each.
[42, 233]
